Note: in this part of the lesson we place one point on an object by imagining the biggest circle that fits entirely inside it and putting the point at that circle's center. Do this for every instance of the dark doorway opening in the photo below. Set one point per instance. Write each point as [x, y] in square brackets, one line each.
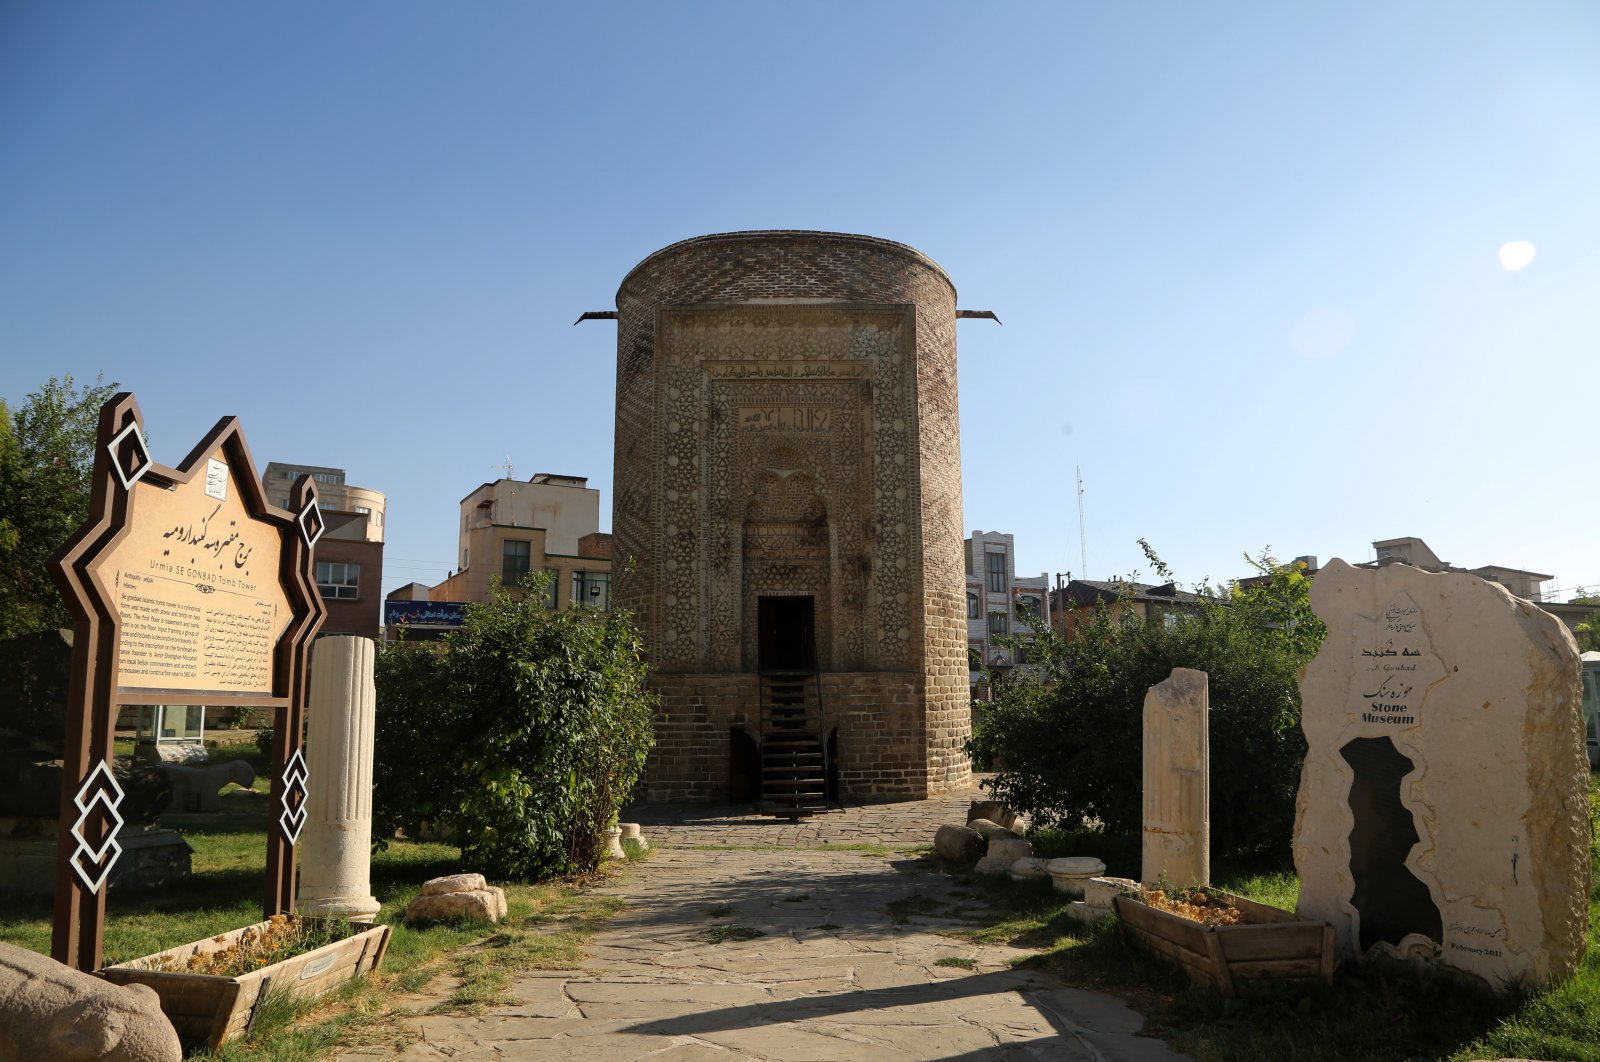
[1391, 900]
[787, 634]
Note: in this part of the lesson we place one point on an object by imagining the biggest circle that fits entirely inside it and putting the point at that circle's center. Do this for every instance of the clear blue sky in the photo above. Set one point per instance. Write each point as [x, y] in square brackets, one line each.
[1246, 255]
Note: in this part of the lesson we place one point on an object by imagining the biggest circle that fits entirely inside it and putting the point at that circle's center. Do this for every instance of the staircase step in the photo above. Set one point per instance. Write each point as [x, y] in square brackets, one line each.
[794, 779]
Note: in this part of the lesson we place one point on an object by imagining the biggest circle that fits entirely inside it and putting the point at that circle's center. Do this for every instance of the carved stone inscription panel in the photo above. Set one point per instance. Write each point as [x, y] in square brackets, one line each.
[787, 466]
[1441, 810]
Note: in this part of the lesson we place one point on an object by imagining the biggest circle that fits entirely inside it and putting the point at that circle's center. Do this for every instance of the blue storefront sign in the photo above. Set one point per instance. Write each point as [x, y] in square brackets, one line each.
[424, 613]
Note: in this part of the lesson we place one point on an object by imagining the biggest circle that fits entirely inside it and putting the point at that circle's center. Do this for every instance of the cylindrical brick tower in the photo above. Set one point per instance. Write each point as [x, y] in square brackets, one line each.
[787, 517]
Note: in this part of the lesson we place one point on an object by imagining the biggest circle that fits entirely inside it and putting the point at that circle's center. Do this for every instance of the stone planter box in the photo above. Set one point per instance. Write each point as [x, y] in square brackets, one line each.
[208, 1011]
[1268, 944]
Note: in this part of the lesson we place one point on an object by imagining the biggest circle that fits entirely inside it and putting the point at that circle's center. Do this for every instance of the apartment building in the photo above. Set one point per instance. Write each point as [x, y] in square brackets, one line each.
[349, 554]
[999, 604]
[548, 523]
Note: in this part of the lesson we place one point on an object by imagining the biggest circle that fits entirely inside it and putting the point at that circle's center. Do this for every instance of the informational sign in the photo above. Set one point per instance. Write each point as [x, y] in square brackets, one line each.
[194, 586]
[186, 587]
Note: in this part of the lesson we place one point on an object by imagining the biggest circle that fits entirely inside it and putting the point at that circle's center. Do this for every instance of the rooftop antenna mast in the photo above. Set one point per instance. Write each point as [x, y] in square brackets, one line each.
[511, 472]
[1083, 538]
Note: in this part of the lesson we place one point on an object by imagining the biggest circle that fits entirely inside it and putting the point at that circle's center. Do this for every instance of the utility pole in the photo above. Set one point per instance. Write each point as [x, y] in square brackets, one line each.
[1083, 538]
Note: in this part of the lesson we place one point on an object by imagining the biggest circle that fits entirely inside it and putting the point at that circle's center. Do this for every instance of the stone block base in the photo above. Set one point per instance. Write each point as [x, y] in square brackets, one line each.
[886, 747]
[149, 860]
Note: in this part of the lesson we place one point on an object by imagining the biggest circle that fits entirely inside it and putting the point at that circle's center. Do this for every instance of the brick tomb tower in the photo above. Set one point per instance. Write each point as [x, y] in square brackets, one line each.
[788, 496]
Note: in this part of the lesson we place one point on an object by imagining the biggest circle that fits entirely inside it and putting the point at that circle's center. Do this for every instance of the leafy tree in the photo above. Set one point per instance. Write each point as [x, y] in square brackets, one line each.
[46, 465]
[524, 731]
[1070, 735]
[1588, 632]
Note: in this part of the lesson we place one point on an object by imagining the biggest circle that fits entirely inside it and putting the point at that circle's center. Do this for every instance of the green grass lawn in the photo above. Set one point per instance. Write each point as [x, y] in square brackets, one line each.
[1367, 1013]
[545, 926]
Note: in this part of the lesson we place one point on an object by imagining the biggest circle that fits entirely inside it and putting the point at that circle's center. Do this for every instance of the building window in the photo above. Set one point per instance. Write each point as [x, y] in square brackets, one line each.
[362, 509]
[974, 658]
[972, 607]
[338, 580]
[515, 560]
[1027, 606]
[592, 588]
[997, 572]
[999, 623]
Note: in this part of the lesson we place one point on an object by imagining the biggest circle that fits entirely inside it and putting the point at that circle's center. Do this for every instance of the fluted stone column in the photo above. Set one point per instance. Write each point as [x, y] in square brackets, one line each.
[1177, 780]
[336, 847]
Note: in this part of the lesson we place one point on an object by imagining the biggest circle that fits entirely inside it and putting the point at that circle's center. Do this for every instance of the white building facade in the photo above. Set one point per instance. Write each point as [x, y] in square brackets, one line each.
[999, 604]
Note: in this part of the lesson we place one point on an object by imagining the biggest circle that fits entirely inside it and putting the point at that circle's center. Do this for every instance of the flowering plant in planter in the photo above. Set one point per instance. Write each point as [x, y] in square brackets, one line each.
[1221, 939]
[1197, 904]
[278, 939]
[211, 989]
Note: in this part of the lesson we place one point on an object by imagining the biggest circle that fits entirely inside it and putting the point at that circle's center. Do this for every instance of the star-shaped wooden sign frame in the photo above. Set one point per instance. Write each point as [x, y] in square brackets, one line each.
[187, 587]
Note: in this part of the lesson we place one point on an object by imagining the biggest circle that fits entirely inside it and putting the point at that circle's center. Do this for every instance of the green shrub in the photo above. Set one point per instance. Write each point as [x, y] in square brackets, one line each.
[523, 732]
[1070, 738]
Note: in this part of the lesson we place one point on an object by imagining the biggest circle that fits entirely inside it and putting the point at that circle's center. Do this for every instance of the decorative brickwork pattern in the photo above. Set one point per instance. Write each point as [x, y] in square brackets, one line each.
[787, 424]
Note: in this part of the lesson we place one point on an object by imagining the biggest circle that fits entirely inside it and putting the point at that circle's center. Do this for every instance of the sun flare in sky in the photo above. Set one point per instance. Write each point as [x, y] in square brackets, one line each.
[1515, 255]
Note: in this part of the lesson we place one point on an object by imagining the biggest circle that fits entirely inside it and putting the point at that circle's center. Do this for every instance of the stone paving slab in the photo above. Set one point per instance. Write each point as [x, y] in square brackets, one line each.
[833, 975]
[907, 822]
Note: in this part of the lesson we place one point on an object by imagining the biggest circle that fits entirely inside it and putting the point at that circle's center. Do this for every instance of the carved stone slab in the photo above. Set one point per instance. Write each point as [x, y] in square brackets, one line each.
[1177, 780]
[1441, 813]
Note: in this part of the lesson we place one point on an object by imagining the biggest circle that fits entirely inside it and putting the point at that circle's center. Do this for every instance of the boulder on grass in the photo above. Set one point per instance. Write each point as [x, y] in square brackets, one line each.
[457, 896]
[454, 883]
[51, 1011]
[958, 844]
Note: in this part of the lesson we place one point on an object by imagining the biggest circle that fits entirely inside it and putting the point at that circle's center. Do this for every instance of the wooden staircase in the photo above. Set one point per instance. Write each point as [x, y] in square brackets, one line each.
[794, 756]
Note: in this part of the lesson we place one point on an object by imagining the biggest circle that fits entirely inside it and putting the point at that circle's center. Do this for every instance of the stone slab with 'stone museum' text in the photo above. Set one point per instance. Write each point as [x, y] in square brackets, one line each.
[1442, 806]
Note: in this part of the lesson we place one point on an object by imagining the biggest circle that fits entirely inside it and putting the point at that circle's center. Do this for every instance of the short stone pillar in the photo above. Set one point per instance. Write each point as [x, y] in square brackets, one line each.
[1070, 874]
[1177, 780]
[336, 847]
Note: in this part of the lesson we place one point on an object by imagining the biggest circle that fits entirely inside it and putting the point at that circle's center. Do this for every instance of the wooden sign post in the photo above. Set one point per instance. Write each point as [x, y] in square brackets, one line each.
[187, 588]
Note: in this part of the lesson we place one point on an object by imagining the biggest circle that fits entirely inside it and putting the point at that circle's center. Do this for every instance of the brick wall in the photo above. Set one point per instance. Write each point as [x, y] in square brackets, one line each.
[595, 544]
[878, 715]
[362, 615]
[900, 728]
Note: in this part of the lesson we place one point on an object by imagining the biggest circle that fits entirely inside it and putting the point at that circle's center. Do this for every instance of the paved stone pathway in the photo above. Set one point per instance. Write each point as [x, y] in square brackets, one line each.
[845, 967]
[909, 822]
